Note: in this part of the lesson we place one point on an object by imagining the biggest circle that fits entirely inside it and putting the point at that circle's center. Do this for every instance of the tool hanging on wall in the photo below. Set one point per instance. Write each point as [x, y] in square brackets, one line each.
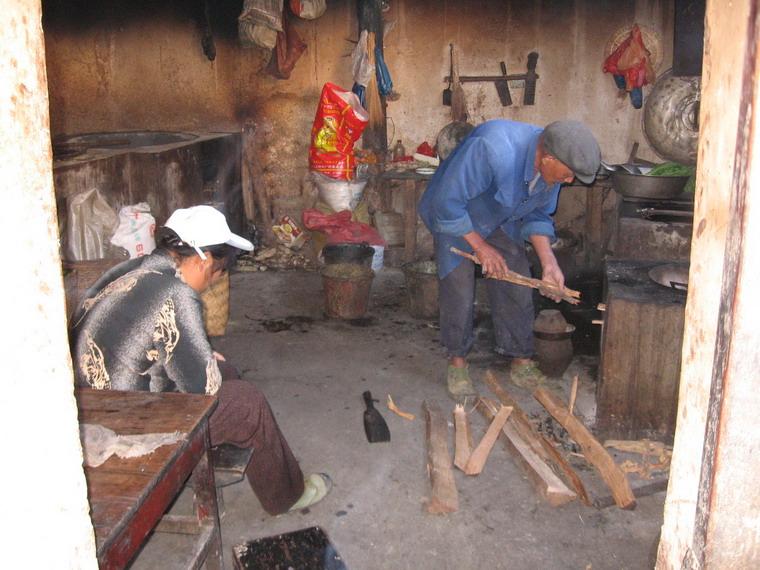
[447, 93]
[458, 100]
[530, 78]
[502, 87]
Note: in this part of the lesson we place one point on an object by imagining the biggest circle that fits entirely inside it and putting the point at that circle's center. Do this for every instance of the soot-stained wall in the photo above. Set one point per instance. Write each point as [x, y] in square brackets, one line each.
[138, 64]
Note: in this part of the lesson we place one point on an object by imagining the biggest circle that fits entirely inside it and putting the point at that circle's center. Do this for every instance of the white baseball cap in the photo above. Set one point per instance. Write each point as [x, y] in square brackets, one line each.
[201, 226]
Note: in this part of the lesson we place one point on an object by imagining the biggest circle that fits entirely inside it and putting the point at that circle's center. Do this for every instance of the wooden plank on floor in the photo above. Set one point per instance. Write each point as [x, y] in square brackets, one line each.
[546, 483]
[542, 447]
[444, 497]
[479, 456]
[462, 439]
[593, 451]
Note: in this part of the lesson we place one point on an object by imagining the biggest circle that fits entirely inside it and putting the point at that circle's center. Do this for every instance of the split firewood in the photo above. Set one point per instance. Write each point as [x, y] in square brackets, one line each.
[612, 475]
[571, 296]
[601, 307]
[541, 451]
[444, 497]
[641, 446]
[573, 394]
[547, 484]
[647, 449]
[462, 441]
[393, 408]
[479, 456]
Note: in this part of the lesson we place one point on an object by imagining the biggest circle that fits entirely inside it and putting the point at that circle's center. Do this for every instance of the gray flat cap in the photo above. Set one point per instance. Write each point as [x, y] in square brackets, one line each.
[575, 146]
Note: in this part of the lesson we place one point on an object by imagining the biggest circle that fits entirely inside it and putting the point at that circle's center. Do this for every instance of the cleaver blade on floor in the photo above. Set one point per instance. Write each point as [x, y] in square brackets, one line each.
[374, 424]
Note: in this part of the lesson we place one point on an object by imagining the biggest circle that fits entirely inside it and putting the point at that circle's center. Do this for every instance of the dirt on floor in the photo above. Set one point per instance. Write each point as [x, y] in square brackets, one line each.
[314, 370]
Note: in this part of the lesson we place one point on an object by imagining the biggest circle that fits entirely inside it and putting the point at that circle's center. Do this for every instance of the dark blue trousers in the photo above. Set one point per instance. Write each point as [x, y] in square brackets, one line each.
[511, 305]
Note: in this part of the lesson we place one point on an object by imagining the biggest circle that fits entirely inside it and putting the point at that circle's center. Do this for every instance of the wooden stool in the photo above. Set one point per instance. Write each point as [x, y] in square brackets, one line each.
[230, 463]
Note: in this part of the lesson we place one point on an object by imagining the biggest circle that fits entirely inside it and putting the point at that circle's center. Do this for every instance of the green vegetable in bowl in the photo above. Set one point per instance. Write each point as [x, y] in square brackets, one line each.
[675, 169]
[671, 169]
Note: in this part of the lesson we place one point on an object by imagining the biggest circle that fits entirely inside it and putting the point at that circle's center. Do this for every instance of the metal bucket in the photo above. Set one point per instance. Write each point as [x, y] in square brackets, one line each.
[422, 289]
[354, 253]
[347, 287]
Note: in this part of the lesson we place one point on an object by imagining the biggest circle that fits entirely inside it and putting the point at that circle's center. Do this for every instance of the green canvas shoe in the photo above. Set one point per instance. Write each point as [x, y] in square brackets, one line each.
[527, 375]
[316, 487]
[459, 384]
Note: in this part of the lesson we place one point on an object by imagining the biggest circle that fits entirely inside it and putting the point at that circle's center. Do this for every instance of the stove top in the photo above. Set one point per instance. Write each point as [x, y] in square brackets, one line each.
[672, 210]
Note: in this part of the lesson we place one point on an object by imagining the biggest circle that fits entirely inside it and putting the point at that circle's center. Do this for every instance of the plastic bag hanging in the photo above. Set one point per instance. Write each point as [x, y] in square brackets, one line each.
[361, 66]
[384, 81]
[631, 67]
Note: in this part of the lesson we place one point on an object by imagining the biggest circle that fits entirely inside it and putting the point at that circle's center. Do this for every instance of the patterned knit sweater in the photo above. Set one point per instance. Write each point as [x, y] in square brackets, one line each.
[140, 327]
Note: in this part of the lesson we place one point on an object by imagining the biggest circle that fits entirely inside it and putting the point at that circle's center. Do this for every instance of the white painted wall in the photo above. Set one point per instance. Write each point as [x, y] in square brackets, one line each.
[44, 513]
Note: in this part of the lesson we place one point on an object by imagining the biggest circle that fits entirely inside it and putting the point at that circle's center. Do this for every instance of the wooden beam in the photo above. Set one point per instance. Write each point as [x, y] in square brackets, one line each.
[546, 483]
[593, 451]
[537, 442]
[462, 441]
[444, 497]
[478, 458]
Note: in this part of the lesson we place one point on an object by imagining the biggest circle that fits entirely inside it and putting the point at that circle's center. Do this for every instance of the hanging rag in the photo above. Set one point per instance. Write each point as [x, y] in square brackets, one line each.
[259, 22]
[287, 50]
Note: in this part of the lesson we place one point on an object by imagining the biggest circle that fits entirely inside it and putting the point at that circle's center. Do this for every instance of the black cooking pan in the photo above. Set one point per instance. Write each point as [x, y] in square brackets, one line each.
[644, 186]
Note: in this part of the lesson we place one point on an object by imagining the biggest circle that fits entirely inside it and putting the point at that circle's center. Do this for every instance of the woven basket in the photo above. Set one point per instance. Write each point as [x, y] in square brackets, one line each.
[78, 276]
[216, 306]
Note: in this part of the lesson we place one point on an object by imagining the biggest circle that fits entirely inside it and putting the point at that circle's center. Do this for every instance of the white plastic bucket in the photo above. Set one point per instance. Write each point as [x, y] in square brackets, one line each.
[377, 259]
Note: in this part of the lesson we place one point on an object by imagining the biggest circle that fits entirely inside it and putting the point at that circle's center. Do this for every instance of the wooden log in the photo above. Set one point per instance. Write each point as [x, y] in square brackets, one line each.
[478, 458]
[462, 441]
[546, 483]
[444, 497]
[570, 295]
[612, 475]
[538, 443]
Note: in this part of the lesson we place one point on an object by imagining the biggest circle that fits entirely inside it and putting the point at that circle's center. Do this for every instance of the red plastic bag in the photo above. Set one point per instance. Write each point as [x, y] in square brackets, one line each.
[338, 124]
[632, 60]
[340, 229]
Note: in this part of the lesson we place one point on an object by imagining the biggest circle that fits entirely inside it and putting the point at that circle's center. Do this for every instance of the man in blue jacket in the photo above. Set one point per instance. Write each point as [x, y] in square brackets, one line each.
[497, 190]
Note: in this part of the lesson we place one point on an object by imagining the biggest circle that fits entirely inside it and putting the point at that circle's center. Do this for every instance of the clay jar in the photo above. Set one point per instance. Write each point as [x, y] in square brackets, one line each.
[554, 347]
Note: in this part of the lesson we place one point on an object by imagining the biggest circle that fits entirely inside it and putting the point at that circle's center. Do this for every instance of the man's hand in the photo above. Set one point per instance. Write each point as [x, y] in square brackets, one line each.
[552, 274]
[219, 357]
[491, 261]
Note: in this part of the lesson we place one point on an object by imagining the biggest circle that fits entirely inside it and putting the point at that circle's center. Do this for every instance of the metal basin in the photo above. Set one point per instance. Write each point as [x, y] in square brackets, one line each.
[641, 186]
[72, 145]
[671, 275]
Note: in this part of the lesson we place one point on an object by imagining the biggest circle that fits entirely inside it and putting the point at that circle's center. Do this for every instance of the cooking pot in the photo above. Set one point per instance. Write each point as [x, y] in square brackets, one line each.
[643, 186]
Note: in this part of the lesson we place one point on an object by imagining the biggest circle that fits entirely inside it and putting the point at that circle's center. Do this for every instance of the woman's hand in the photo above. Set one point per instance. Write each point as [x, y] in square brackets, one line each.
[491, 260]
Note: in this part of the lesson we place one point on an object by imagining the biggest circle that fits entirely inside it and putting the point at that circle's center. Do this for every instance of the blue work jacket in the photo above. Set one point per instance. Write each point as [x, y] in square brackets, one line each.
[485, 185]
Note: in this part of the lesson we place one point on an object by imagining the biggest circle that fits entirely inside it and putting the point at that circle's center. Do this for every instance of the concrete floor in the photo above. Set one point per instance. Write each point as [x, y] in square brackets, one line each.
[314, 371]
